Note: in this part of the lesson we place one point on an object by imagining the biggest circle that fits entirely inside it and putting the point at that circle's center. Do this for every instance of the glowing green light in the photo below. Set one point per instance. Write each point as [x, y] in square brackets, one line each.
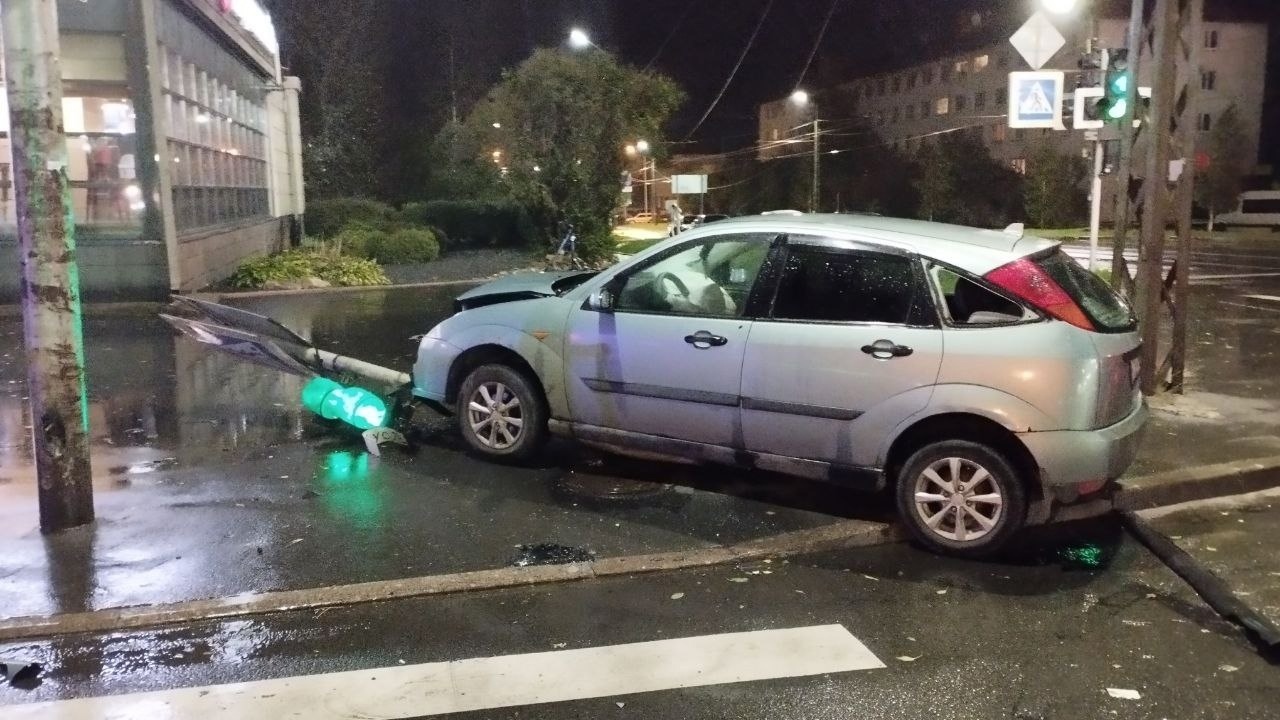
[1085, 555]
[1118, 109]
[355, 406]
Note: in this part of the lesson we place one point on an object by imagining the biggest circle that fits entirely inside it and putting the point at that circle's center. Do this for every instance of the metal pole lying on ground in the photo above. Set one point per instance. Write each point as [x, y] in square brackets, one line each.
[51, 319]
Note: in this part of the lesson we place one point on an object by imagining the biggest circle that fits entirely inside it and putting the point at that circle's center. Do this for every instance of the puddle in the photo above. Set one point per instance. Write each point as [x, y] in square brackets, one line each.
[550, 554]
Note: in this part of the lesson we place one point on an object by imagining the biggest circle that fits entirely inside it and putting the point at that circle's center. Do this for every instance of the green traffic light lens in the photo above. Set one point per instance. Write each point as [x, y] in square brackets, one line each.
[1120, 84]
[1118, 110]
[355, 406]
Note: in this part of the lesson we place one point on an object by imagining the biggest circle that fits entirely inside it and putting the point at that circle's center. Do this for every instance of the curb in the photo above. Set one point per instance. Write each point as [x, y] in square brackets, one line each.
[223, 296]
[1198, 483]
[846, 534]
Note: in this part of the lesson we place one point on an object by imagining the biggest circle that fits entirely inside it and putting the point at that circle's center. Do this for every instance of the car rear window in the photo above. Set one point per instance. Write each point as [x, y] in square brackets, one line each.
[1108, 311]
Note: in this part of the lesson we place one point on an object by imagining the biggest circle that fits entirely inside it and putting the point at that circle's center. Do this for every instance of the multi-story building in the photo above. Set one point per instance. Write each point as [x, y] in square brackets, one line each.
[968, 91]
[183, 144]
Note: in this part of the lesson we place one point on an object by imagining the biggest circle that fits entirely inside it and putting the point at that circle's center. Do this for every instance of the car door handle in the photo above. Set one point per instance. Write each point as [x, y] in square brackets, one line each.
[704, 340]
[886, 349]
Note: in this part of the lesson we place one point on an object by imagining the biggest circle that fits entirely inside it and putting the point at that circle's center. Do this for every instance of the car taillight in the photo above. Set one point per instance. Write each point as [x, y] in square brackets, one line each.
[1029, 282]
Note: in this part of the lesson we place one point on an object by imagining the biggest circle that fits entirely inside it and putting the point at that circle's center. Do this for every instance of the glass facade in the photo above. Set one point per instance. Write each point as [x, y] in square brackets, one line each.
[100, 122]
[214, 109]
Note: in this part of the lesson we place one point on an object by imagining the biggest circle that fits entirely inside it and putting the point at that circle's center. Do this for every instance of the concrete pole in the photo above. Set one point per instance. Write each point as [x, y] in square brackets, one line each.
[1193, 30]
[1095, 209]
[50, 280]
[1124, 164]
[817, 165]
[1156, 189]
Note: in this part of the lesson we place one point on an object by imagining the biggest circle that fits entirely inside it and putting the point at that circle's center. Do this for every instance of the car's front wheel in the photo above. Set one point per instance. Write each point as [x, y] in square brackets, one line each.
[501, 413]
[961, 498]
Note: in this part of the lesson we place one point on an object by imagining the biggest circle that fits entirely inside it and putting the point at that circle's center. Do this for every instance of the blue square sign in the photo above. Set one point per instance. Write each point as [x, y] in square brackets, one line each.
[1035, 99]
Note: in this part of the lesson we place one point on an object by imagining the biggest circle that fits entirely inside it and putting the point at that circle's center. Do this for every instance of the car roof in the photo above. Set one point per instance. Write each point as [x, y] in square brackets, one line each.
[973, 249]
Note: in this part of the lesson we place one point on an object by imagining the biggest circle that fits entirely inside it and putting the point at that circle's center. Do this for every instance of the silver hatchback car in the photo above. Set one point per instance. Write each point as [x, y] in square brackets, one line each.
[983, 375]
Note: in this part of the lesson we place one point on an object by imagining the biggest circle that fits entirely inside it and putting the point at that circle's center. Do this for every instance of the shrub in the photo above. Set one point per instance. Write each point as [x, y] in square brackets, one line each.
[471, 223]
[358, 239]
[297, 265]
[404, 246]
[326, 218]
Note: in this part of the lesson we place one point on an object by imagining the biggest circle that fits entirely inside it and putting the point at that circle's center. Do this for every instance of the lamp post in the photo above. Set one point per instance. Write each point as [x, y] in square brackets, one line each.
[579, 39]
[801, 99]
[642, 148]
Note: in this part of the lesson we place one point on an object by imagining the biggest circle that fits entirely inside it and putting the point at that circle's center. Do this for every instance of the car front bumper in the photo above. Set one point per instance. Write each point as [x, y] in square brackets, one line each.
[431, 370]
[1076, 457]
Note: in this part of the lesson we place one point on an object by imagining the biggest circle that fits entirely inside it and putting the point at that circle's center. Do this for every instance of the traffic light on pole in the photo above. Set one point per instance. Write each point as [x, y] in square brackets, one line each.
[355, 406]
[1115, 89]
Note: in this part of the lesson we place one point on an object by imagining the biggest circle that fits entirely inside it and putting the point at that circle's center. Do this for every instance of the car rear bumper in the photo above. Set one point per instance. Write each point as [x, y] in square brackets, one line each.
[1075, 457]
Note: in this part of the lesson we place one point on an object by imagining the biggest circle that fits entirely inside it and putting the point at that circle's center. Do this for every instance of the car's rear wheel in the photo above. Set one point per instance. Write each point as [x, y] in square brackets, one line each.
[961, 498]
[501, 413]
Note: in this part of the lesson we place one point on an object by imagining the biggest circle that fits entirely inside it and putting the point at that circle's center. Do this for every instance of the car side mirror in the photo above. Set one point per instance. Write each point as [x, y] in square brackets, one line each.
[602, 300]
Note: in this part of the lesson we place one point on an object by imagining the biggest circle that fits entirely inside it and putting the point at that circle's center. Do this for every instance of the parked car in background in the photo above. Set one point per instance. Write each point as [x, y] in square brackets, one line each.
[642, 217]
[1257, 208]
[984, 376]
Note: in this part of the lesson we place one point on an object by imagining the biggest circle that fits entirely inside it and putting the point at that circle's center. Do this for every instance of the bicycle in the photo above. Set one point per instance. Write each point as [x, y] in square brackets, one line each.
[569, 246]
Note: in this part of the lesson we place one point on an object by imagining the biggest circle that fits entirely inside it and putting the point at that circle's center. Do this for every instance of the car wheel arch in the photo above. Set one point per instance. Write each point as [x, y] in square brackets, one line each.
[964, 426]
[488, 354]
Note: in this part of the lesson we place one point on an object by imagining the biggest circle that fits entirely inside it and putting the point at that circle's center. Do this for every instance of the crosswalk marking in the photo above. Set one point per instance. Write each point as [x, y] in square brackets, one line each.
[494, 682]
[1272, 298]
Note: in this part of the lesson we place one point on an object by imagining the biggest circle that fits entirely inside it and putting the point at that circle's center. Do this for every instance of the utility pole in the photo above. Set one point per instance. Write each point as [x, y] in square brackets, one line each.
[51, 318]
[1124, 164]
[817, 165]
[1095, 205]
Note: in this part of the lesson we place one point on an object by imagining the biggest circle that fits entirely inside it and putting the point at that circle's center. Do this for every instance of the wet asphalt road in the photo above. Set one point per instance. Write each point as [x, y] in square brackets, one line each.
[1031, 636]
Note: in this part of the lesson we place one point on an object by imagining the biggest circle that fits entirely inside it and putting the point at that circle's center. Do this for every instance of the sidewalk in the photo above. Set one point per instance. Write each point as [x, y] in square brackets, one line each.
[211, 482]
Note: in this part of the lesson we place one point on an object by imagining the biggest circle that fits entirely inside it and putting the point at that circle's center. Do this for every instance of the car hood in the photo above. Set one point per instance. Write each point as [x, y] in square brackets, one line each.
[520, 286]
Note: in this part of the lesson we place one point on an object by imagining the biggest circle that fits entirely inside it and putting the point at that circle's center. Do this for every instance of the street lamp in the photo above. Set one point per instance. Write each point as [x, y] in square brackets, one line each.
[579, 39]
[630, 150]
[800, 97]
[642, 146]
[1059, 7]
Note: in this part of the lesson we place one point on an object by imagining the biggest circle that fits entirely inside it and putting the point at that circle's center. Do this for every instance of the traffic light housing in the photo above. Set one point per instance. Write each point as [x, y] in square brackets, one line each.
[1114, 104]
[357, 407]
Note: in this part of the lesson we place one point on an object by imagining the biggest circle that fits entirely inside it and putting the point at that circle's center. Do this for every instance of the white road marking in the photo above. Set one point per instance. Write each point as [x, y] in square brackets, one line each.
[1237, 275]
[1250, 307]
[1272, 298]
[485, 683]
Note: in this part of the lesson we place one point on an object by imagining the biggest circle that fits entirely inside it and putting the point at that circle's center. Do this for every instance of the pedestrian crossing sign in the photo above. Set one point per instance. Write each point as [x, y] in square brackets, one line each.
[1035, 99]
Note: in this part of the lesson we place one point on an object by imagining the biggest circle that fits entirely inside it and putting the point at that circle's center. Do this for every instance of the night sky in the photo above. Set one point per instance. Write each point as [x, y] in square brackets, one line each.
[697, 42]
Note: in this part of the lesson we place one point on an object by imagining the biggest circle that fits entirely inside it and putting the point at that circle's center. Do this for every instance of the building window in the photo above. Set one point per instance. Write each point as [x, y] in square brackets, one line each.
[1002, 97]
[980, 101]
[775, 134]
[960, 103]
[998, 132]
[911, 80]
[1002, 60]
[880, 117]
[927, 76]
[1211, 38]
[924, 109]
[962, 67]
[981, 62]
[1019, 165]
[897, 114]
[1206, 122]
[217, 145]
[911, 112]
[897, 84]
[944, 73]
[880, 86]
[1208, 79]
[942, 106]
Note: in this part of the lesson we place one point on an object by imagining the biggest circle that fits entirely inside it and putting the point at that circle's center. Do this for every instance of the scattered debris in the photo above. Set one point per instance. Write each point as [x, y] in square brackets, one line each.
[908, 658]
[738, 579]
[1136, 623]
[295, 541]
[1124, 694]
[550, 554]
[942, 591]
[621, 704]
[677, 596]
[871, 577]
[557, 646]
[1228, 668]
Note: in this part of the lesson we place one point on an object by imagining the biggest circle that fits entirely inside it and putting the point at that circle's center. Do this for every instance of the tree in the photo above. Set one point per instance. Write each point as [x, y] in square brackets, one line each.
[558, 125]
[327, 43]
[961, 183]
[1055, 188]
[1218, 186]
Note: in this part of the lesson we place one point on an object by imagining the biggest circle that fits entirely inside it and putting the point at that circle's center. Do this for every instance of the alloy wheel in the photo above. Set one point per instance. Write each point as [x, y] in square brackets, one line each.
[958, 499]
[495, 415]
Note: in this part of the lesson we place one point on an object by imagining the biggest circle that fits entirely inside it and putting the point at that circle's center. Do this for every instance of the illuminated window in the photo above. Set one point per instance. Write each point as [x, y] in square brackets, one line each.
[942, 106]
[1019, 165]
[980, 63]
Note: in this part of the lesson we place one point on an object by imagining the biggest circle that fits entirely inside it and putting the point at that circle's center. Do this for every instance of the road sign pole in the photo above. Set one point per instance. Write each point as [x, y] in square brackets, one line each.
[51, 317]
[1095, 210]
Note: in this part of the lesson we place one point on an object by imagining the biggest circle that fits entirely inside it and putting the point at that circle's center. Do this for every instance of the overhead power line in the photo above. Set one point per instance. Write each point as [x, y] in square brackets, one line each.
[817, 43]
[734, 73]
[674, 29]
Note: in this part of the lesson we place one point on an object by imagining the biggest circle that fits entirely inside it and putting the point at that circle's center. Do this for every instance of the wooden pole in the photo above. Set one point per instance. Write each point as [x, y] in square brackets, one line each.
[1124, 164]
[51, 315]
[1192, 27]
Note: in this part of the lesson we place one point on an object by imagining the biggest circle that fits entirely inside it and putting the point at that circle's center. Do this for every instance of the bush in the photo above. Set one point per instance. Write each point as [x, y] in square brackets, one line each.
[358, 239]
[326, 218]
[405, 246]
[472, 223]
[300, 265]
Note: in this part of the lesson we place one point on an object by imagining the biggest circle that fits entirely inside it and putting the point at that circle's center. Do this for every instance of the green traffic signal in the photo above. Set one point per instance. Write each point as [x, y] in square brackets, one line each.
[357, 407]
[1118, 109]
[1115, 101]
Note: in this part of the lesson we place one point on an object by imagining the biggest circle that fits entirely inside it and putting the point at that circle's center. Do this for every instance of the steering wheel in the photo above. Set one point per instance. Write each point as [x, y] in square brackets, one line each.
[675, 280]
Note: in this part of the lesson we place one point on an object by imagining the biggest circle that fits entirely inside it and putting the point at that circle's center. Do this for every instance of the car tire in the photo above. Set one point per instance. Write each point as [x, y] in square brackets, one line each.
[502, 414]
[992, 509]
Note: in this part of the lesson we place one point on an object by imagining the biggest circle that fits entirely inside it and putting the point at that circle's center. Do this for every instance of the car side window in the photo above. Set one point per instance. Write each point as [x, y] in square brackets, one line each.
[712, 278]
[845, 286]
[969, 304]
